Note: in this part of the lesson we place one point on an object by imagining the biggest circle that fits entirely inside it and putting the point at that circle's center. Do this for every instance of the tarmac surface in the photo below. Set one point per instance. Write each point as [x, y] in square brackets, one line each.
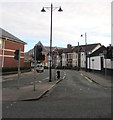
[105, 81]
[28, 92]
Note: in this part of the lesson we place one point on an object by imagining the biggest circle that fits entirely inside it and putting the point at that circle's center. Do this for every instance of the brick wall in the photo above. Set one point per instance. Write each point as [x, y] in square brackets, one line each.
[13, 45]
[11, 62]
[9, 49]
[27, 64]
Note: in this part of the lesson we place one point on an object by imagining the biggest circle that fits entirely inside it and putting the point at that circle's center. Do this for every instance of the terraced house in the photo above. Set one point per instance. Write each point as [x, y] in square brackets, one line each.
[8, 44]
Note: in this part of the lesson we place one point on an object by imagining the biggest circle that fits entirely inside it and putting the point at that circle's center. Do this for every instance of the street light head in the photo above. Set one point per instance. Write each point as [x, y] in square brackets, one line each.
[43, 10]
[60, 9]
[81, 35]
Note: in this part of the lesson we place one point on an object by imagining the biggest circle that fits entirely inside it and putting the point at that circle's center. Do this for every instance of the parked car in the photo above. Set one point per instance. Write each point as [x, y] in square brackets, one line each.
[39, 68]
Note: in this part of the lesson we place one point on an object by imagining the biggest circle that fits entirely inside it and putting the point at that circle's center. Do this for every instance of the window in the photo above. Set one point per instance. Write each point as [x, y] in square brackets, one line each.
[0, 43]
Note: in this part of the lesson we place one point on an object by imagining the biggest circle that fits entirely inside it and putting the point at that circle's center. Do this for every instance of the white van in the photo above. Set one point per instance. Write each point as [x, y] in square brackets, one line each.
[39, 68]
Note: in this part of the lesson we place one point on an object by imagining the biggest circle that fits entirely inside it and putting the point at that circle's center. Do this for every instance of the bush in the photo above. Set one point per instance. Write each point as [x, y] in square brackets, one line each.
[14, 69]
[9, 69]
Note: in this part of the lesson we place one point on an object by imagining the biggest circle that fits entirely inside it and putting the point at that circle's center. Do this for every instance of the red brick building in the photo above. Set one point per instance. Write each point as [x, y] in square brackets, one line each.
[8, 44]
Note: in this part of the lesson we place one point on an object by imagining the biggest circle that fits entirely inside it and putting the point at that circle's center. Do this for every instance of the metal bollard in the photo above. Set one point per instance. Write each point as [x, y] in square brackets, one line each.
[58, 74]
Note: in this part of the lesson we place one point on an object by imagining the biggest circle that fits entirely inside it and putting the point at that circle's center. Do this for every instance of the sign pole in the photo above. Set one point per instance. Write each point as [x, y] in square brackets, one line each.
[19, 66]
[34, 88]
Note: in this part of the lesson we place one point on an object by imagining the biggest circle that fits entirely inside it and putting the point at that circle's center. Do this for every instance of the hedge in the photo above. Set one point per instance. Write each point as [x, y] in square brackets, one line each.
[13, 69]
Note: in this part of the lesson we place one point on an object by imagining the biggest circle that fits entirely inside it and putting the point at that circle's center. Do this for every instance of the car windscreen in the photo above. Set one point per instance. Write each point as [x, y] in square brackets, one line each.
[39, 66]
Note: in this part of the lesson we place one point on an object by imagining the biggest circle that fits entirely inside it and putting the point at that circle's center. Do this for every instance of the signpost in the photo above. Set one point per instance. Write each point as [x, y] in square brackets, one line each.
[38, 58]
[19, 66]
[17, 57]
[34, 88]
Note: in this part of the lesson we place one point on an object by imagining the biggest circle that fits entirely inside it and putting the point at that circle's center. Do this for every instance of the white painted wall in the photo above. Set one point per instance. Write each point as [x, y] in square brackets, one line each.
[64, 61]
[88, 63]
[58, 60]
[83, 59]
[95, 63]
[108, 63]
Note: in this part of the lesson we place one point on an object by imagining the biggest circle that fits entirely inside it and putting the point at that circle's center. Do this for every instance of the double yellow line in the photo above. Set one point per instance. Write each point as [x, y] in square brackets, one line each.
[86, 78]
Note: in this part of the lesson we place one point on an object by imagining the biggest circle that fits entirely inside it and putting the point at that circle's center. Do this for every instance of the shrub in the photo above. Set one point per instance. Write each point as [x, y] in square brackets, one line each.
[14, 69]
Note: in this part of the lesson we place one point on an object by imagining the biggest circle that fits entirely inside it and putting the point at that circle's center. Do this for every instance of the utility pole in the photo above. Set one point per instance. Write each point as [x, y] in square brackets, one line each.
[86, 49]
[78, 58]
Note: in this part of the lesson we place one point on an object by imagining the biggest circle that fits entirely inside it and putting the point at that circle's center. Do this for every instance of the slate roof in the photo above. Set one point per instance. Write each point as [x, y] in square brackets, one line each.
[98, 51]
[88, 48]
[5, 34]
[67, 50]
[44, 48]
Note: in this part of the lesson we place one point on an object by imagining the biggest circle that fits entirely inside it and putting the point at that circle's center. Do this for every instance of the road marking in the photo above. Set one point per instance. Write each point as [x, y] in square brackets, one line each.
[88, 79]
[39, 81]
[46, 78]
[81, 74]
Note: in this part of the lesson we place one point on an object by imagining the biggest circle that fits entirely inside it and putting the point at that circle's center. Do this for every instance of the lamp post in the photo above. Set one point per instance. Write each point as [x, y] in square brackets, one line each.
[78, 58]
[85, 50]
[50, 60]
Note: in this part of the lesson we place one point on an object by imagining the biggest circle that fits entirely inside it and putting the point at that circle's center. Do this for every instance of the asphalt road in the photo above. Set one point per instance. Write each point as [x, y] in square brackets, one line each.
[74, 97]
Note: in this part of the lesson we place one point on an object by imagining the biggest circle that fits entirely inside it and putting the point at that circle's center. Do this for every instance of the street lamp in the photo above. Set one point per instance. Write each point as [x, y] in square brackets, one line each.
[78, 50]
[85, 50]
[43, 10]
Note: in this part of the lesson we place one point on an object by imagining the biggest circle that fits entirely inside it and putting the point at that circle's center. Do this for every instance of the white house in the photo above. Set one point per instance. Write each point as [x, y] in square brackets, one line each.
[82, 50]
[98, 62]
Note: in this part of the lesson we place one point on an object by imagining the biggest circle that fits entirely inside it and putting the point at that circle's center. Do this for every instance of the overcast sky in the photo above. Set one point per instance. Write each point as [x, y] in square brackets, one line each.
[25, 20]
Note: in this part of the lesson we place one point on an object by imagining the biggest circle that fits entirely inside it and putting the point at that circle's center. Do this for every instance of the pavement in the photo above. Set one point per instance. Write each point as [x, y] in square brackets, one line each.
[105, 81]
[28, 92]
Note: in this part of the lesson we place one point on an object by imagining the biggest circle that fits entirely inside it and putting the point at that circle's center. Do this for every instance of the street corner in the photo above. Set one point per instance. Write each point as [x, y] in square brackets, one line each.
[40, 90]
[27, 92]
[18, 93]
